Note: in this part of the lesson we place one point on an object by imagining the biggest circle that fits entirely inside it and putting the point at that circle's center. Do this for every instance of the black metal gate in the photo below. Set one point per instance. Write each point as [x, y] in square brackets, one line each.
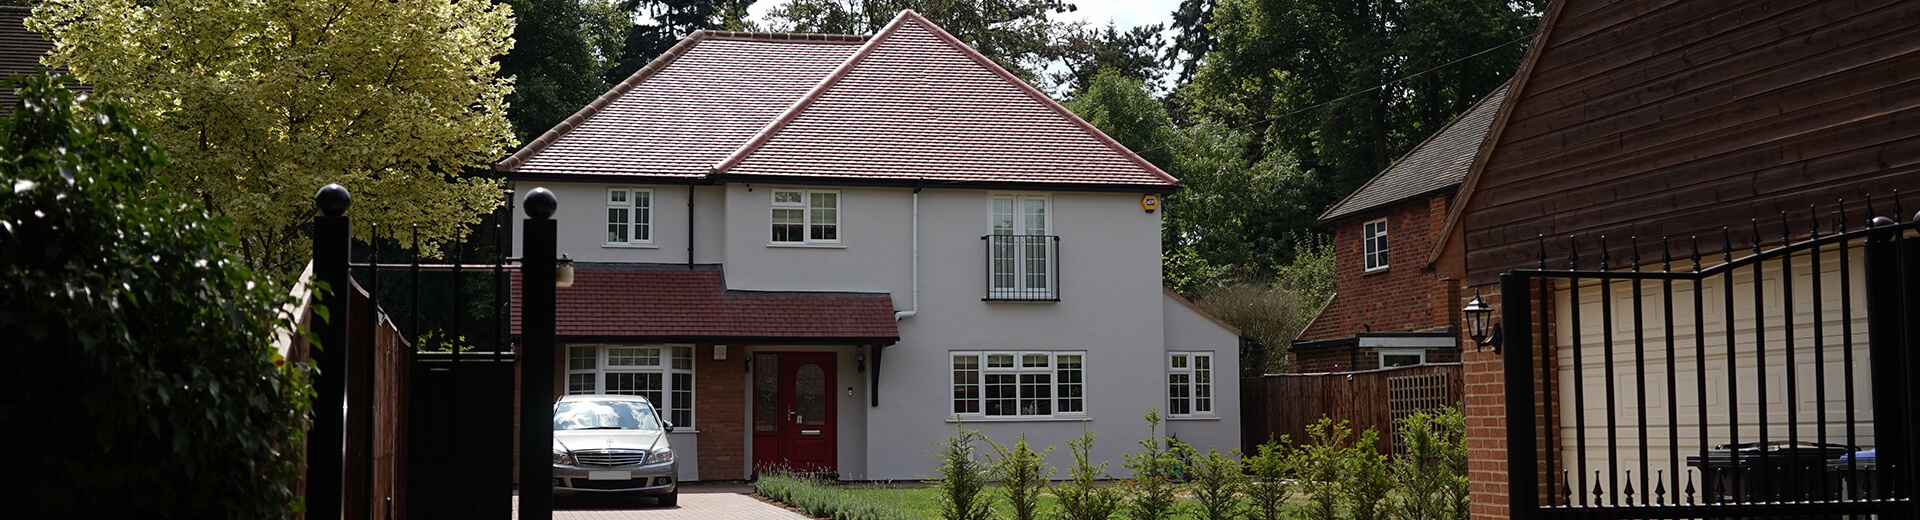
[1779, 384]
[458, 394]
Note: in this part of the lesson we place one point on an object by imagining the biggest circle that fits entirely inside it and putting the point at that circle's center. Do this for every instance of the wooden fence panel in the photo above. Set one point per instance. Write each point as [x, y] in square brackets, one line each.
[1286, 404]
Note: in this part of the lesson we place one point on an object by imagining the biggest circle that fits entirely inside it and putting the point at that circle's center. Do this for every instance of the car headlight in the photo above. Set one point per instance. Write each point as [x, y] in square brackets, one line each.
[563, 458]
[660, 456]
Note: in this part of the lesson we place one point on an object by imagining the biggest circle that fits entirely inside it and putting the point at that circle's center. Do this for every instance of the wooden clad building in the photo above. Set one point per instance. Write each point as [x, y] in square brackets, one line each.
[1679, 118]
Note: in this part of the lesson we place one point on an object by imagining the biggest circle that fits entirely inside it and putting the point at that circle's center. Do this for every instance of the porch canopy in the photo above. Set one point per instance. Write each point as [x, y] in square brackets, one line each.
[672, 303]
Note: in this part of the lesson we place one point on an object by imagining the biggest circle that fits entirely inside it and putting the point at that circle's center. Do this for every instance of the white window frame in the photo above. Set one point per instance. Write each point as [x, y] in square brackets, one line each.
[1022, 270]
[1420, 352]
[1065, 385]
[1374, 245]
[1190, 386]
[638, 219]
[673, 362]
[808, 213]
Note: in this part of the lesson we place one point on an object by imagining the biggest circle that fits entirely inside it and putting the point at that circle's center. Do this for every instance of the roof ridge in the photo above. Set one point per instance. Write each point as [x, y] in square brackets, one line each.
[1477, 105]
[787, 116]
[905, 15]
[788, 37]
[574, 121]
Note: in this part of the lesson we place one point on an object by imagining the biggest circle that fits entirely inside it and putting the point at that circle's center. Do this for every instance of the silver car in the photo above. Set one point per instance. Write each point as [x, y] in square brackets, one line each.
[613, 444]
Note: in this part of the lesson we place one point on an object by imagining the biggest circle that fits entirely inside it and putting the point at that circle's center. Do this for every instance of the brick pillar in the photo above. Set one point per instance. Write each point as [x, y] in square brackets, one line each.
[719, 411]
[1486, 432]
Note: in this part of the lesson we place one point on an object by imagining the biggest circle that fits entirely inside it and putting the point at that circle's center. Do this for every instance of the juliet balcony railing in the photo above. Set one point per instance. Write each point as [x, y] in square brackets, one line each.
[1023, 268]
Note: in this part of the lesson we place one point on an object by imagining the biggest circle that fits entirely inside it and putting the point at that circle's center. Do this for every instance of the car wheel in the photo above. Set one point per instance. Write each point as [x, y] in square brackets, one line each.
[670, 499]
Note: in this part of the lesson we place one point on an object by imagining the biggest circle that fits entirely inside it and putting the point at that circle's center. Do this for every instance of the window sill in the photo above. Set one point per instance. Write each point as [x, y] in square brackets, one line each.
[1376, 270]
[984, 419]
[1014, 299]
[809, 246]
[678, 430]
[630, 246]
[1194, 418]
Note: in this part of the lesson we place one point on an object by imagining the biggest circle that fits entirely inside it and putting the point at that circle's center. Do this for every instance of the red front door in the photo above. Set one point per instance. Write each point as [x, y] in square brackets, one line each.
[793, 411]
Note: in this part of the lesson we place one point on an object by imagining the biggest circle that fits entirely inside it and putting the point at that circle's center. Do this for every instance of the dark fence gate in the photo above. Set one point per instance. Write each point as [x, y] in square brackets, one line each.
[459, 399]
[1776, 385]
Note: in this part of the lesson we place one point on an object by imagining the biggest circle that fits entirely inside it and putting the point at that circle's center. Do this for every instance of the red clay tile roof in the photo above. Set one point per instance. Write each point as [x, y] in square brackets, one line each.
[690, 107]
[911, 104]
[673, 303]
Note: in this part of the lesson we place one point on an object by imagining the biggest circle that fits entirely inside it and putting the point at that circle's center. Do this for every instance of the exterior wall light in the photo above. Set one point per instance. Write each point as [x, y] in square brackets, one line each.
[563, 272]
[1480, 326]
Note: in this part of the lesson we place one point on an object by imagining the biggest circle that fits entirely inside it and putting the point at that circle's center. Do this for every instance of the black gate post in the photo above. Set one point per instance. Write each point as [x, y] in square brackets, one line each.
[1885, 349]
[325, 455]
[536, 355]
[1523, 483]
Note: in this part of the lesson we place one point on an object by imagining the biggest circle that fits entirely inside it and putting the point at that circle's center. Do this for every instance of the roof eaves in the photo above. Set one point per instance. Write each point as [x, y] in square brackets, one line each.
[518, 158]
[1457, 119]
[1515, 87]
[786, 117]
[1203, 312]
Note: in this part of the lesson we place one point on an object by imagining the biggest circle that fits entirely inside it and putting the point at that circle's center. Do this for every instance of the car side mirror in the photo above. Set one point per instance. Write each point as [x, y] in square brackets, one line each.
[668, 425]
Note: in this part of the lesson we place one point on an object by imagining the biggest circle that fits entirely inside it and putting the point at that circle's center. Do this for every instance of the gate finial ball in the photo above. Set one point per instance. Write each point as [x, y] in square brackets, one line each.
[333, 200]
[541, 203]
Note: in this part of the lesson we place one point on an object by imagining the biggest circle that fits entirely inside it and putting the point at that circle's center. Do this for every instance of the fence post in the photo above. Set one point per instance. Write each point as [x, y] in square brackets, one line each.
[1890, 361]
[536, 355]
[1523, 483]
[325, 444]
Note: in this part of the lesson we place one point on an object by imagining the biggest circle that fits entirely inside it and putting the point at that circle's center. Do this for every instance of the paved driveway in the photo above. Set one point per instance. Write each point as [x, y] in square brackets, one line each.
[697, 502]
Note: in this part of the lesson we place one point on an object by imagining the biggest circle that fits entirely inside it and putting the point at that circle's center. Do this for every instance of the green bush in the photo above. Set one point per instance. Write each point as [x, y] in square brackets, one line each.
[1320, 464]
[138, 372]
[1218, 483]
[962, 478]
[1366, 483]
[1434, 468]
[822, 500]
[1150, 493]
[1082, 498]
[1023, 473]
[1271, 482]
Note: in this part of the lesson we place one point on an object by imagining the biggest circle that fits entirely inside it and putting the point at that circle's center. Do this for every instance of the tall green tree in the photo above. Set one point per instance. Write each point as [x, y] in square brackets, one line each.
[1192, 39]
[1318, 78]
[1086, 51]
[1014, 33]
[257, 104]
[659, 24]
[561, 48]
[138, 375]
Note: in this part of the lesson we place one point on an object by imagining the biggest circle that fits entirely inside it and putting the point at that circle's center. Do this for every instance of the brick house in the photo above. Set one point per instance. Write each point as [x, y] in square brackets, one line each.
[827, 251]
[1687, 119]
[1391, 308]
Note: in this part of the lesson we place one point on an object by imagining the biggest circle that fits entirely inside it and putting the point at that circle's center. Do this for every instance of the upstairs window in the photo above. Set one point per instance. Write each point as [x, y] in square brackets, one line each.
[629, 216]
[806, 217]
[1374, 241]
[1022, 263]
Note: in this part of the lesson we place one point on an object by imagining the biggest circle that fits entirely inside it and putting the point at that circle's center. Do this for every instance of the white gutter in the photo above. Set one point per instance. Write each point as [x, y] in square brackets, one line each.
[901, 315]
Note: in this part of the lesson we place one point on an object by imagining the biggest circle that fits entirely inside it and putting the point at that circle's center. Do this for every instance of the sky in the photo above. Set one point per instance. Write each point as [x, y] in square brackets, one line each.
[1124, 13]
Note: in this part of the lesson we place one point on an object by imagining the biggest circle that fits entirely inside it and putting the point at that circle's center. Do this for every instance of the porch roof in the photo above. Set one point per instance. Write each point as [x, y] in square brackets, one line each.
[672, 303]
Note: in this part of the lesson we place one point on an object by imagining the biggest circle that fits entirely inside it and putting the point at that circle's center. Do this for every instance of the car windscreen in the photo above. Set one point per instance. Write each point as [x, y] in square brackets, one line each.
[604, 415]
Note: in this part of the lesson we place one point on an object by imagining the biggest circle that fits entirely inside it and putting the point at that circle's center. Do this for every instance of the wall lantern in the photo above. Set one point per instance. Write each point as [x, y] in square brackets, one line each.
[1480, 326]
[563, 272]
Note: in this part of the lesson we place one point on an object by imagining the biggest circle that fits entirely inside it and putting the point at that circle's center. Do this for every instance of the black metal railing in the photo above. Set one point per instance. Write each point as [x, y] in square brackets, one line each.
[1023, 268]
[1752, 388]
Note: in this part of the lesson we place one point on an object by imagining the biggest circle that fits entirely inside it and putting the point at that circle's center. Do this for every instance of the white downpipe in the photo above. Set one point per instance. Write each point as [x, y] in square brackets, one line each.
[901, 315]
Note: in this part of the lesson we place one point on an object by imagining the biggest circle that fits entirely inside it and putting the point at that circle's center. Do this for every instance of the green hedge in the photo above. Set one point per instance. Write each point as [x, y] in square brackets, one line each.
[819, 499]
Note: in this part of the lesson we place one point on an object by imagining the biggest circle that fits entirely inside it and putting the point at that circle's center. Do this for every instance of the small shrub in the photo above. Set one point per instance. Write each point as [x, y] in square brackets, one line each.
[1434, 469]
[1150, 493]
[1319, 467]
[1217, 484]
[962, 478]
[1081, 498]
[1366, 486]
[1022, 473]
[1269, 486]
[819, 499]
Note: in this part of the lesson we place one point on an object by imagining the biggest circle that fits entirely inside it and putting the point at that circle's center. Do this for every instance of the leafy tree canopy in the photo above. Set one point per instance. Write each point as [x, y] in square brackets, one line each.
[258, 104]
[138, 375]
[561, 48]
[1087, 51]
[1273, 63]
[1014, 33]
